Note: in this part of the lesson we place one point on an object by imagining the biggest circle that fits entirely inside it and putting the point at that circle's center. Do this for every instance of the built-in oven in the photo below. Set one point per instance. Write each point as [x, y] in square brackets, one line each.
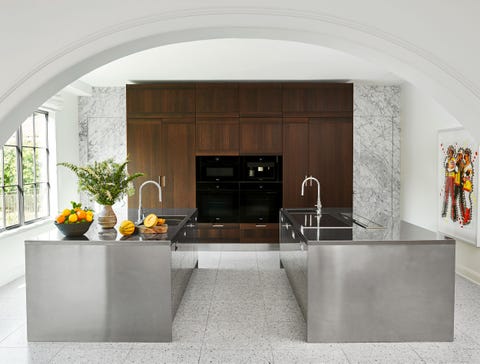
[217, 168]
[260, 201]
[261, 168]
[217, 202]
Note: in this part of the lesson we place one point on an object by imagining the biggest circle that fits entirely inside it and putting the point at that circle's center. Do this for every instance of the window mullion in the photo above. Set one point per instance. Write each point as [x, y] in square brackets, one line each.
[20, 188]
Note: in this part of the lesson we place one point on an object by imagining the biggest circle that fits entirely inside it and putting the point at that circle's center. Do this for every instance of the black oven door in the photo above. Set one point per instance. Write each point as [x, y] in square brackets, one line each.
[260, 202]
[217, 169]
[217, 202]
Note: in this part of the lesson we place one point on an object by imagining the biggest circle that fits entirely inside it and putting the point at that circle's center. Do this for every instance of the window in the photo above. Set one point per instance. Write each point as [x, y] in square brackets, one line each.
[24, 181]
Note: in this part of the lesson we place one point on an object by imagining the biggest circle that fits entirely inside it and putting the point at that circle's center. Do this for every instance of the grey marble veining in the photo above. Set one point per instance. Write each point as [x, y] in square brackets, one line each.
[376, 162]
[375, 100]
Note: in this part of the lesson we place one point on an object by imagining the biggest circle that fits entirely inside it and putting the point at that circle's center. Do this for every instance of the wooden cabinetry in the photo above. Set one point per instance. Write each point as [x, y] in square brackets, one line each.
[217, 136]
[215, 99]
[157, 147]
[161, 100]
[295, 160]
[261, 136]
[259, 233]
[317, 99]
[323, 148]
[260, 99]
[208, 233]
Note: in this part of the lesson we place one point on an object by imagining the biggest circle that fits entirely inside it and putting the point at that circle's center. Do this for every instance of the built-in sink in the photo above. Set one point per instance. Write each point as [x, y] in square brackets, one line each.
[173, 220]
[310, 220]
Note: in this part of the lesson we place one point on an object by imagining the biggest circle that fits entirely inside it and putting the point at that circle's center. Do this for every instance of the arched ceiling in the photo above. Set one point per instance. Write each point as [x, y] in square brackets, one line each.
[238, 59]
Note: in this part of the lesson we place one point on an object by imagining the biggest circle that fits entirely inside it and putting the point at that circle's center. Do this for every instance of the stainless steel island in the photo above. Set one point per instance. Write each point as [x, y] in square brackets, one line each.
[104, 287]
[364, 283]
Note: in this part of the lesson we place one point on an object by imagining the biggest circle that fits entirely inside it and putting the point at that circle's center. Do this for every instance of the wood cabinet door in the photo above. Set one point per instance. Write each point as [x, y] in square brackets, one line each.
[178, 150]
[260, 99]
[295, 161]
[215, 99]
[161, 100]
[143, 150]
[217, 136]
[317, 99]
[331, 159]
[261, 136]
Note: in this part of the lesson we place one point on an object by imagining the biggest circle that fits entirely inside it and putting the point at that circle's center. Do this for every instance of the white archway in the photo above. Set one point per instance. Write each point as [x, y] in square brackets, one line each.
[418, 66]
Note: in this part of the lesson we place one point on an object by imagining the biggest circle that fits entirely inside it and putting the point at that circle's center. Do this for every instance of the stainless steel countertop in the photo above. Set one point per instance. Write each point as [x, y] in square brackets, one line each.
[96, 236]
[336, 226]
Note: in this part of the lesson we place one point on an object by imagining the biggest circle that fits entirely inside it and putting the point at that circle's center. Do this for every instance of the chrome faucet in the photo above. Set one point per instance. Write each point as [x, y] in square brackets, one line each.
[319, 204]
[140, 197]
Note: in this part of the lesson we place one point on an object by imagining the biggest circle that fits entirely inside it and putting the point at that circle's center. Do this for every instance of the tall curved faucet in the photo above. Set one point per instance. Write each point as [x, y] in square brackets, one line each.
[319, 204]
[140, 196]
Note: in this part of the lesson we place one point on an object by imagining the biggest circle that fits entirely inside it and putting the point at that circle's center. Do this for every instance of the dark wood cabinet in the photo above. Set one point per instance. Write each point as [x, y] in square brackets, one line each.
[259, 233]
[157, 147]
[317, 99]
[217, 136]
[322, 148]
[162, 100]
[260, 99]
[261, 136]
[218, 233]
[330, 158]
[215, 99]
[309, 123]
[295, 160]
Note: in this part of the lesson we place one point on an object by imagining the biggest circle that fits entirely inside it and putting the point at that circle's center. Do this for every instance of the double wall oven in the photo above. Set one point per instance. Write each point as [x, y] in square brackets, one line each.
[245, 189]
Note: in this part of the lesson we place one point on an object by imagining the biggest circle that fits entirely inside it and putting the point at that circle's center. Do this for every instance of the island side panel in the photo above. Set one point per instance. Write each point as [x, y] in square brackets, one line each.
[89, 292]
[381, 292]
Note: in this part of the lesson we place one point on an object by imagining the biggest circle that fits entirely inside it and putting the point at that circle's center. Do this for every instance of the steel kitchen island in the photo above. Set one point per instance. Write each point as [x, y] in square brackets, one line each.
[103, 287]
[357, 282]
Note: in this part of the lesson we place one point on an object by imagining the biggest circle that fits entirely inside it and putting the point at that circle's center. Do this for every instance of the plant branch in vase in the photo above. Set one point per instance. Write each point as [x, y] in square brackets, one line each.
[106, 182]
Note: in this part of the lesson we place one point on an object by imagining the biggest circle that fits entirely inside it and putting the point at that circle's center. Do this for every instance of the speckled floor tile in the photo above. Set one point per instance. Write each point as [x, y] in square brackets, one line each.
[326, 354]
[449, 355]
[199, 292]
[188, 331]
[31, 355]
[190, 310]
[164, 356]
[283, 310]
[90, 356]
[237, 293]
[286, 333]
[394, 353]
[237, 311]
[214, 356]
[235, 335]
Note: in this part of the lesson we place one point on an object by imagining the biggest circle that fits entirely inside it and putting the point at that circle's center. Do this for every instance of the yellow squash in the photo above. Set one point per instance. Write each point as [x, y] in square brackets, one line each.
[126, 228]
[150, 220]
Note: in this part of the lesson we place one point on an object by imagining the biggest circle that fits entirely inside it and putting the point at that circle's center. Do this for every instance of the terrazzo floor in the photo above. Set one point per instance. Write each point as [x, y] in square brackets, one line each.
[239, 308]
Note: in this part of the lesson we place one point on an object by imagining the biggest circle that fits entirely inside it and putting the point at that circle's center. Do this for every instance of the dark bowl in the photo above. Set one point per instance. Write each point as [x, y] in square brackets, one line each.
[74, 229]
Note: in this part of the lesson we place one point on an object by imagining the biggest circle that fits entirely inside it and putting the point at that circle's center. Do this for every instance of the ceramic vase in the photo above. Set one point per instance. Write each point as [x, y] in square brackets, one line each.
[106, 218]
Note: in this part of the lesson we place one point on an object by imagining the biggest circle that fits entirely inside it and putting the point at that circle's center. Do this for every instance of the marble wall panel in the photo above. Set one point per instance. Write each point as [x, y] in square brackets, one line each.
[375, 100]
[377, 153]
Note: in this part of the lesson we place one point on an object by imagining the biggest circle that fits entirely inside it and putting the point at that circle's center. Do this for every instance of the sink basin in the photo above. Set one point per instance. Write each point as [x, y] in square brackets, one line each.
[310, 220]
[173, 220]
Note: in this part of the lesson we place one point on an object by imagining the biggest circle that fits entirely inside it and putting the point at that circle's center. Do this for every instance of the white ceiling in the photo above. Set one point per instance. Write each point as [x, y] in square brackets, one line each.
[238, 59]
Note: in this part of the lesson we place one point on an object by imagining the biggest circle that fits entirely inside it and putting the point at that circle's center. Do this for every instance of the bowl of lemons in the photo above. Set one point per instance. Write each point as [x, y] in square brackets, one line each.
[75, 221]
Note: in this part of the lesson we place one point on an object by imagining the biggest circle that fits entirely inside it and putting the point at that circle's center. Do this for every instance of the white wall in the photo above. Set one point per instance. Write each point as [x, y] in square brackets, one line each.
[67, 141]
[421, 118]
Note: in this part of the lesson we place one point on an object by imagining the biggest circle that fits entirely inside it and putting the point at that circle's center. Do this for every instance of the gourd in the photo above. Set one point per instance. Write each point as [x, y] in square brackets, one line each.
[126, 228]
[150, 220]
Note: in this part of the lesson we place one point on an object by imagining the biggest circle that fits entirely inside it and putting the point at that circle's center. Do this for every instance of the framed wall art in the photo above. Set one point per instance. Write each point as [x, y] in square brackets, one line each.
[458, 208]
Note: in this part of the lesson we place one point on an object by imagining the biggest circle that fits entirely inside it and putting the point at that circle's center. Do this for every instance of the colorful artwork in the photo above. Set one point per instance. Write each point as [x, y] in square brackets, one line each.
[458, 185]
